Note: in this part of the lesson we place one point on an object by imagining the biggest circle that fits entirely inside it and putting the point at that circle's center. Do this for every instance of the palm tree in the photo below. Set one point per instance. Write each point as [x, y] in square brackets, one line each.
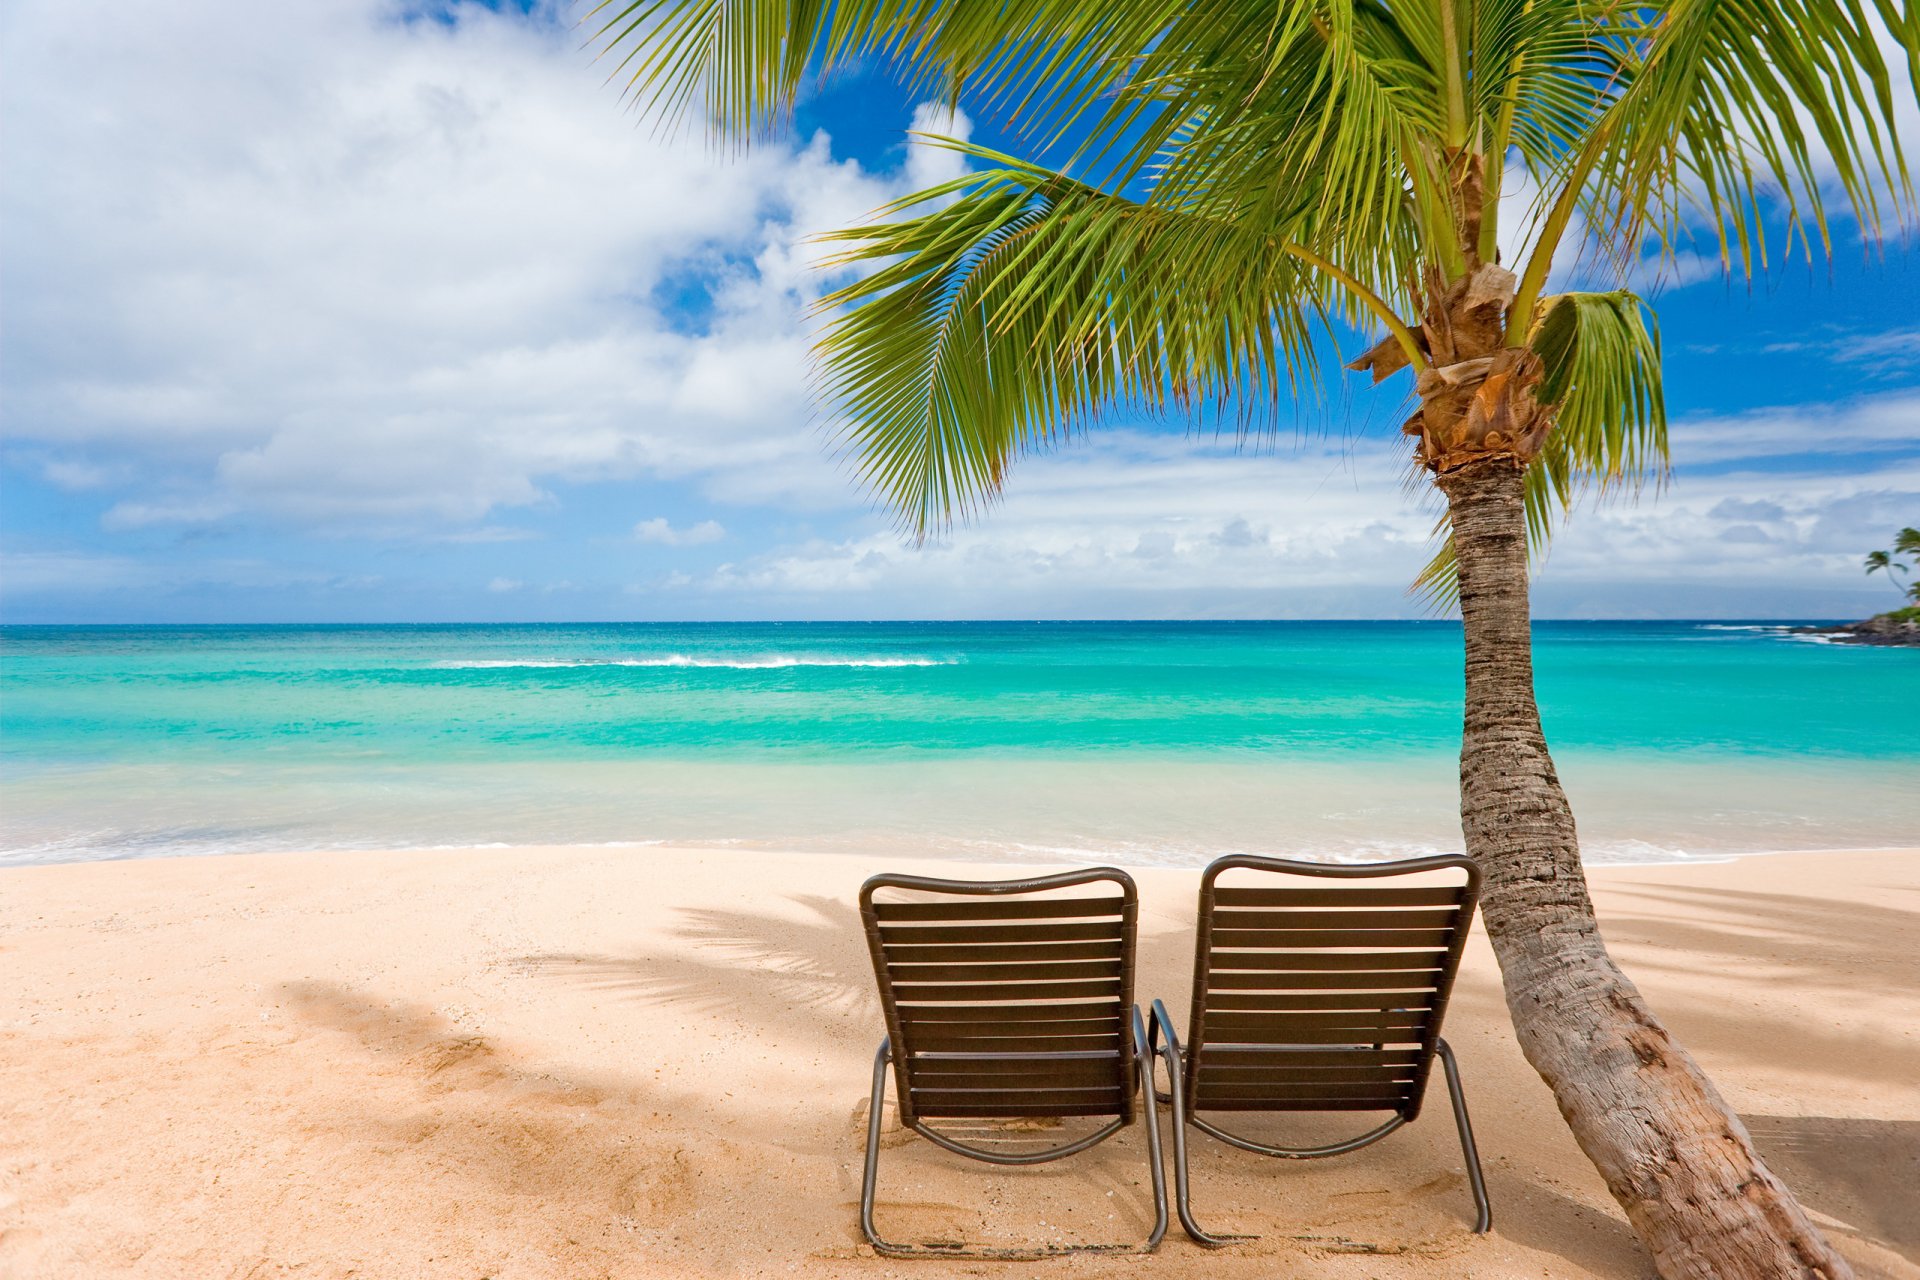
[1211, 189]
[1883, 561]
[1905, 543]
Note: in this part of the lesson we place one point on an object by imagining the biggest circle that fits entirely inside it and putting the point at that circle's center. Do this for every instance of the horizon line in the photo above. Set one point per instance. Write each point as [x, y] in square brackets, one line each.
[927, 622]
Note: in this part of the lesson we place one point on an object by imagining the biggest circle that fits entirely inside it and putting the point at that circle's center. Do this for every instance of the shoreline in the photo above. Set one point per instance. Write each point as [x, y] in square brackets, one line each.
[563, 1062]
[1014, 855]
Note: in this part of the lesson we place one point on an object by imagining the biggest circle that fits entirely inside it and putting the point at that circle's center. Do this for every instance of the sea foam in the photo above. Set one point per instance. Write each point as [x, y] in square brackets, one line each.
[764, 663]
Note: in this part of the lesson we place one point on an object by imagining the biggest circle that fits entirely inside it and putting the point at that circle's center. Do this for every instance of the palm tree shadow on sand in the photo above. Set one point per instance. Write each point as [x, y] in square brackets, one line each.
[1861, 1172]
[1744, 946]
[803, 974]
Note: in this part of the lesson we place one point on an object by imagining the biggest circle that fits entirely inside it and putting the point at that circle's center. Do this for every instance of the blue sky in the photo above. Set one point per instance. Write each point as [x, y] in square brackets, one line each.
[340, 314]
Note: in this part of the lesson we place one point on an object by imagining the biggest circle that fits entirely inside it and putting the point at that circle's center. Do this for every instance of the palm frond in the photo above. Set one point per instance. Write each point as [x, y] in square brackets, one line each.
[742, 63]
[1018, 303]
[1731, 114]
[1602, 357]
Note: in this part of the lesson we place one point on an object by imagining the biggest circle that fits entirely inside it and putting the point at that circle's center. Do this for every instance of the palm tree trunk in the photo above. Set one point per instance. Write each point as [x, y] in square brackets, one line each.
[1672, 1152]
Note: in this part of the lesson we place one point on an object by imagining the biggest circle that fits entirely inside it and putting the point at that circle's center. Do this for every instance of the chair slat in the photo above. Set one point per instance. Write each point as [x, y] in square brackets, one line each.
[1412, 918]
[923, 1038]
[1331, 937]
[1030, 952]
[1287, 1058]
[1270, 1089]
[1033, 931]
[1083, 1074]
[944, 1111]
[1370, 896]
[1332, 960]
[1385, 1103]
[1000, 909]
[1410, 981]
[1023, 1098]
[1211, 1074]
[924, 993]
[1003, 1057]
[1356, 1037]
[1043, 1011]
[933, 1034]
[1038, 970]
[1300, 1001]
[1281, 1025]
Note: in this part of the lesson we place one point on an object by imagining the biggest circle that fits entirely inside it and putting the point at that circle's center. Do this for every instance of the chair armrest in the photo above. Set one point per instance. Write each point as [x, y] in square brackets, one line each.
[1162, 1030]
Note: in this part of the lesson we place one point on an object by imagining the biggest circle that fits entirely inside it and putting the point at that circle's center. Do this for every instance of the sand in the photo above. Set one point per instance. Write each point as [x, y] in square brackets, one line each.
[653, 1062]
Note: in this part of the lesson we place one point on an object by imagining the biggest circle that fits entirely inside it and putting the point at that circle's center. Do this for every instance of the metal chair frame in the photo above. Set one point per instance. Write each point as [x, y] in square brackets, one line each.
[1129, 1052]
[1183, 1065]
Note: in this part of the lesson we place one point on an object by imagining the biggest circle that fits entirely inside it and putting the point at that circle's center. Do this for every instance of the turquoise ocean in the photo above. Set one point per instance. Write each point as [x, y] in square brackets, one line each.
[1140, 743]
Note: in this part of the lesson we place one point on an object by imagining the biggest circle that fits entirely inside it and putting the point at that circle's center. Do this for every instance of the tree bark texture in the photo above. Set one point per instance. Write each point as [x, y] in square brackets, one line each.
[1672, 1152]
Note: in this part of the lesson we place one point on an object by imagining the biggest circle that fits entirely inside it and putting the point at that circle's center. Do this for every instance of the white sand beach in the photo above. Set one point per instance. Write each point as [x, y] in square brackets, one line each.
[578, 1062]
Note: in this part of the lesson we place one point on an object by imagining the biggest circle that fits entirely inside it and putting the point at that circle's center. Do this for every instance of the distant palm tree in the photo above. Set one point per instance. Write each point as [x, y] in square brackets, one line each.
[1905, 543]
[1210, 186]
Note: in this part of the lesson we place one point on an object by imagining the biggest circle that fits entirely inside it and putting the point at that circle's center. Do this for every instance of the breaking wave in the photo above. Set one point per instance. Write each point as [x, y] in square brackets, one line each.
[757, 663]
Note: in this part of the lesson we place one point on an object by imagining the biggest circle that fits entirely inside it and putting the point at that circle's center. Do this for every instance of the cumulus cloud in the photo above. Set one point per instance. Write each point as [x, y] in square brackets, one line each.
[1139, 525]
[350, 271]
[1140, 516]
[1884, 424]
[659, 530]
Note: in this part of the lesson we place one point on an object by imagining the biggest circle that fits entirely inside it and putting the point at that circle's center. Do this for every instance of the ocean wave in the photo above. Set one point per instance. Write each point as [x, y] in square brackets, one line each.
[767, 662]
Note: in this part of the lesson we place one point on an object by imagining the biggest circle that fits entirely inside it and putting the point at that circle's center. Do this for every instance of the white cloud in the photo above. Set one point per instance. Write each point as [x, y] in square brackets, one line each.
[1129, 514]
[379, 276]
[928, 163]
[659, 530]
[1130, 525]
[501, 586]
[1878, 424]
[28, 572]
[32, 572]
[141, 514]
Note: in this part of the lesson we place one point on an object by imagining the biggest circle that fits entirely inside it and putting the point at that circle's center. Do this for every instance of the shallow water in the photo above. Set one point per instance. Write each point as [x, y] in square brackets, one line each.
[1139, 742]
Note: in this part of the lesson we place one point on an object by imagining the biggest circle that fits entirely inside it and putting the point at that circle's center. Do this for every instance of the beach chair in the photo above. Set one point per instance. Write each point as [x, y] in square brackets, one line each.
[1318, 988]
[1008, 1001]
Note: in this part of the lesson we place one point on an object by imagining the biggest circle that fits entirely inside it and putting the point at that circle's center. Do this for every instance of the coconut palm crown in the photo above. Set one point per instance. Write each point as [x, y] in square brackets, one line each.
[1208, 191]
[1905, 543]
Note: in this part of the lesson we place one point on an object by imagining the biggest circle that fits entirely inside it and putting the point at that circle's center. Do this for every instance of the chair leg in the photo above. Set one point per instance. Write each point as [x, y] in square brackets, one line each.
[1483, 1219]
[870, 1179]
[1144, 1059]
[870, 1176]
[1167, 1048]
